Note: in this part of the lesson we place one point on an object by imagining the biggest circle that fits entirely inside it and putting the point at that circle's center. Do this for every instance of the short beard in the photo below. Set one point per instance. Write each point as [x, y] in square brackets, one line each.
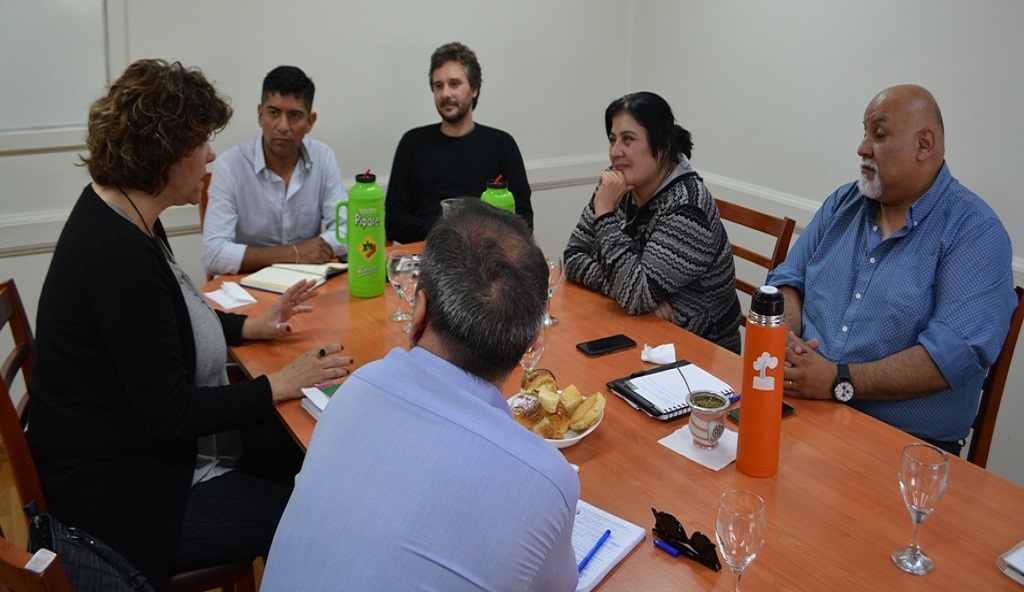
[870, 189]
[454, 118]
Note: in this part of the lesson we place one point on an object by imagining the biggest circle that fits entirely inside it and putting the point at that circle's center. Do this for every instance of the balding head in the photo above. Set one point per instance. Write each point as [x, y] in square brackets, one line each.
[905, 139]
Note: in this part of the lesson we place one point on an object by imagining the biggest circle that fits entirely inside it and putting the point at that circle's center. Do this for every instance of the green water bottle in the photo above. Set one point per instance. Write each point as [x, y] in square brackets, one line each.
[366, 267]
[499, 196]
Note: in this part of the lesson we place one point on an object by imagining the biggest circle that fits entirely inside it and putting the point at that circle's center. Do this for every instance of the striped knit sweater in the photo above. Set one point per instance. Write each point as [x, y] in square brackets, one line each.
[674, 248]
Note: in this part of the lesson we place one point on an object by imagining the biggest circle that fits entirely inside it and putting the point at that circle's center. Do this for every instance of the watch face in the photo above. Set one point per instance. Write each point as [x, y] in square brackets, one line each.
[843, 391]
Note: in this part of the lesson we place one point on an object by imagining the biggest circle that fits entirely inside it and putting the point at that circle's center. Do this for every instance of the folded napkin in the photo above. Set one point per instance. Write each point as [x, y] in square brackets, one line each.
[661, 354]
[231, 295]
[716, 459]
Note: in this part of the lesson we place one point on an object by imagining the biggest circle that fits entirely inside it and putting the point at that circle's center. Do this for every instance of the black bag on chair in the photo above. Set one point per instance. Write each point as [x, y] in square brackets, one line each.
[91, 565]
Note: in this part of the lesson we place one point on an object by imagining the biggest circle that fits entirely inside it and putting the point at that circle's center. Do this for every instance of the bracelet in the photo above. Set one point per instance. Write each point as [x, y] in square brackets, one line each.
[296, 253]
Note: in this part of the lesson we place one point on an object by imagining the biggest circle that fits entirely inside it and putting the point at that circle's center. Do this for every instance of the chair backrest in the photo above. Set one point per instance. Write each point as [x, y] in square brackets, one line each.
[992, 390]
[12, 429]
[779, 228]
[21, 571]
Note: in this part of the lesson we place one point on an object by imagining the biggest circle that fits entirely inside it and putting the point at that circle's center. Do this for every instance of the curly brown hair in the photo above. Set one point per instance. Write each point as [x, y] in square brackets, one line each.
[457, 52]
[155, 114]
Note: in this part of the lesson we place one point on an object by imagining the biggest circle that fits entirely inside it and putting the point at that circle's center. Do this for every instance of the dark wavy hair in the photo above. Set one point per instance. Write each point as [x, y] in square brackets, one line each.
[666, 137]
[154, 115]
[457, 52]
[486, 284]
[289, 80]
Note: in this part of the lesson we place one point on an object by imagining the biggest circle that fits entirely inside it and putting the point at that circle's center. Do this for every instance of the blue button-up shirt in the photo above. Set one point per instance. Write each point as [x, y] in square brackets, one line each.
[944, 281]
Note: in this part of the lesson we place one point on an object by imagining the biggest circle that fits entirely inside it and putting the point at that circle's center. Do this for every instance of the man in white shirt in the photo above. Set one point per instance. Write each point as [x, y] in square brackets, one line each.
[273, 199]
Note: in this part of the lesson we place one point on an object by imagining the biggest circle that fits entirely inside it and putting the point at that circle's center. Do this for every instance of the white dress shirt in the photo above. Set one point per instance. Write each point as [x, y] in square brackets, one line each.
[249, 204]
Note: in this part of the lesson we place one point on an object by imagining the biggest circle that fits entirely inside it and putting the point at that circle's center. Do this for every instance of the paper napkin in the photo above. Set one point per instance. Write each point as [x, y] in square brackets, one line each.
[231, 295]
[716, 459]
[660, 354]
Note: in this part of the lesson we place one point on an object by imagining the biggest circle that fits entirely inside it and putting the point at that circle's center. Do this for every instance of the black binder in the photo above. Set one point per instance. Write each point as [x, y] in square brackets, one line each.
[623, 387]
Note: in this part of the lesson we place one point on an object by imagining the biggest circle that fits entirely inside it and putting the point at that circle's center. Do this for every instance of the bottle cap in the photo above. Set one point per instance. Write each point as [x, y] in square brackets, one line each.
[767, 301]
[498, 183]
[366, 177]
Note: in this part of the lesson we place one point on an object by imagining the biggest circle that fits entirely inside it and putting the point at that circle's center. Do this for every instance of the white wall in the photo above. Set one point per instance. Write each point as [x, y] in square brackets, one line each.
[773, 92]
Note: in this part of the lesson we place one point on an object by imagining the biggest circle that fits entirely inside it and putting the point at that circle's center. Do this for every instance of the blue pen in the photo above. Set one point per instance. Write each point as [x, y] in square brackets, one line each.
[590, 555]
[733, 399]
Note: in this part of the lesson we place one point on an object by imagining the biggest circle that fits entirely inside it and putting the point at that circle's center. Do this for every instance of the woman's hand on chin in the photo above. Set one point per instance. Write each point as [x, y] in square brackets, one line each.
[611, 186]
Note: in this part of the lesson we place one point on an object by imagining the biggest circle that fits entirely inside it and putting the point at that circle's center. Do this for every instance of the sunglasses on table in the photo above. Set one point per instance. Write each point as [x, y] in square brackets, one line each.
[697, 547]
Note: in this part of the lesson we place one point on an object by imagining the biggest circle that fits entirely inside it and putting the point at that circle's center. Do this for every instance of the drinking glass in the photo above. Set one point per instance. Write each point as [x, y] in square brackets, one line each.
[398, 267]
[924, 473]
[740, 530]
[556, 273]
[532, 355]
[409, 283]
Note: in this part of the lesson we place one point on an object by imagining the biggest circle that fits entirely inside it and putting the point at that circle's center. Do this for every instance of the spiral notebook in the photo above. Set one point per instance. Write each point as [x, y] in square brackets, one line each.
[661, 392]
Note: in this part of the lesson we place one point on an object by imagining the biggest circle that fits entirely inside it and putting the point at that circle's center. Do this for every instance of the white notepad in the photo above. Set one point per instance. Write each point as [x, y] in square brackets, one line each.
[281, 276]
[591, 522]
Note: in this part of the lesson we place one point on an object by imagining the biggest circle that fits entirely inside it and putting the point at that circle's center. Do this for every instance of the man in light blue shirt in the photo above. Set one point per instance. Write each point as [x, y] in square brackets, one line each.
[272, 200]
[417, 477]
[899, 292]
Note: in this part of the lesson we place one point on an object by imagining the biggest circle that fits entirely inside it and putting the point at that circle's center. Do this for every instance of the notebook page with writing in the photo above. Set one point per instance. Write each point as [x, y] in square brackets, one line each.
[591, 522]
[667, 390]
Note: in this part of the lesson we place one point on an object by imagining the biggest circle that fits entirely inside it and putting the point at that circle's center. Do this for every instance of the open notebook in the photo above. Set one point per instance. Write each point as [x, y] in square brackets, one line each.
[661, 392]
[281, 276]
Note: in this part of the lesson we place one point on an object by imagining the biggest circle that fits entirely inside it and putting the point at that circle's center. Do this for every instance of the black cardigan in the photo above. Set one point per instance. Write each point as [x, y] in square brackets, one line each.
[114, 411]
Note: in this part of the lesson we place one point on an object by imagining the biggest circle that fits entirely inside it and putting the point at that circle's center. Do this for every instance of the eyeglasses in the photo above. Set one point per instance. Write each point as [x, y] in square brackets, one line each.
[697, 547]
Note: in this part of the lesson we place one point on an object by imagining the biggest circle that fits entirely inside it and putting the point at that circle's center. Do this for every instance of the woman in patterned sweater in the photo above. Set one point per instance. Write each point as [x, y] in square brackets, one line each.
[651, 237]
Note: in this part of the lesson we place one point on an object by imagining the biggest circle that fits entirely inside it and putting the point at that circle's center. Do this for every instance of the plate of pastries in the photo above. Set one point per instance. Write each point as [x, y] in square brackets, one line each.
[563, 417]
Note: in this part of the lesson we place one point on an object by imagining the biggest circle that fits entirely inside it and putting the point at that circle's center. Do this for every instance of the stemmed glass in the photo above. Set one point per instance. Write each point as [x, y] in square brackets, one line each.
[556, 274]
[532, 355]
[924, 473]
[409, 283]
[740, 529]
[398, 267]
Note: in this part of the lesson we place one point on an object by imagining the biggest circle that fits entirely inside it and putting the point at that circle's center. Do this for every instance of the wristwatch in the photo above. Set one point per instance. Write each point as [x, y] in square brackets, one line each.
[842, 388]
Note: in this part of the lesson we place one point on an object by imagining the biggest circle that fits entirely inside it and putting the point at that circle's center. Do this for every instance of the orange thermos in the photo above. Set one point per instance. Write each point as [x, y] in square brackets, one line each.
[764, 358]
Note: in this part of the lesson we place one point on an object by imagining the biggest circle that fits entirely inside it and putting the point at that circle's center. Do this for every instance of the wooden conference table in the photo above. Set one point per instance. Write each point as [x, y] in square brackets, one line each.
[834, 509]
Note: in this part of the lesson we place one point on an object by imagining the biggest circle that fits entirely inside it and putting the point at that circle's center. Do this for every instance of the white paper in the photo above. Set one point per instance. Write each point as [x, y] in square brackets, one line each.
[231, 295]
[591, 522]
[716, 459]
[659, 354]
[667, 390]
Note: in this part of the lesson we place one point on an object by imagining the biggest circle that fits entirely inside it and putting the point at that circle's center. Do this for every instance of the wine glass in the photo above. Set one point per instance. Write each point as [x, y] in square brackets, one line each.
[924, 473]
[398, 267]
[409, 283]
[740, 529]
[556, 274]
[533, 353]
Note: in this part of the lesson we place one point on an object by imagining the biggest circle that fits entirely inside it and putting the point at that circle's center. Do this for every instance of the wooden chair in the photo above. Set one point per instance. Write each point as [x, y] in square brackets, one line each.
[236, 577]
[779, 228]
[992, 390]
[21, 571]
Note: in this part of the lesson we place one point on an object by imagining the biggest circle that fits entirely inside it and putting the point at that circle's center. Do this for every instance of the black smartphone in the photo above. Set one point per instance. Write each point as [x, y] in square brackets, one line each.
[787, 410]
[605, 345]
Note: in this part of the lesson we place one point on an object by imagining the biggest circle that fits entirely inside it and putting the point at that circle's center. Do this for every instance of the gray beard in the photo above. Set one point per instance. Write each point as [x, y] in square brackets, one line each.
[870, 189]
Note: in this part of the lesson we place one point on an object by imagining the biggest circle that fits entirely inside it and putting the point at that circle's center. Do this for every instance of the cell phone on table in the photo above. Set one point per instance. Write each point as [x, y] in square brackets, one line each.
[787, 410]
[605, 345]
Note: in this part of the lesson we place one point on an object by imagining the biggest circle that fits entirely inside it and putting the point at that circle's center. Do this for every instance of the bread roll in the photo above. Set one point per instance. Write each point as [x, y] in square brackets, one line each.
[588, 412]
[571, 398]
[548, 398]
[537, 378]
[527, 411]
[559, 420]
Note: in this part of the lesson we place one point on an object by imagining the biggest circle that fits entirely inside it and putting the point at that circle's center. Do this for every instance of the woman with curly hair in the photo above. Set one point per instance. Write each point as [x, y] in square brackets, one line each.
[133, 425]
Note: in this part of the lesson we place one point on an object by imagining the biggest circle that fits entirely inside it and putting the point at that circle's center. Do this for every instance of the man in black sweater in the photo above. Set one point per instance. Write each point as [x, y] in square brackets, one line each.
[455, 158]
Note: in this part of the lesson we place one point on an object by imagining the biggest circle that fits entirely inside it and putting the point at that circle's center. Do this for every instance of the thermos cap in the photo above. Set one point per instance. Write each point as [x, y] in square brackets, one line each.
[496, 184]
[767, 301]
[366, 177]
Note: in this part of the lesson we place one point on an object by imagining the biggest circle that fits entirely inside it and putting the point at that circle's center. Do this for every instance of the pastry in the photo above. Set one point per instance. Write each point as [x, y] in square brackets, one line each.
[571, 398]
[535, 379]
[588, 412]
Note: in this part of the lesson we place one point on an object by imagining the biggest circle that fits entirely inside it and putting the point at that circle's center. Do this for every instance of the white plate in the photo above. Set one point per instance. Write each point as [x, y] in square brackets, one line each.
[571, 436]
